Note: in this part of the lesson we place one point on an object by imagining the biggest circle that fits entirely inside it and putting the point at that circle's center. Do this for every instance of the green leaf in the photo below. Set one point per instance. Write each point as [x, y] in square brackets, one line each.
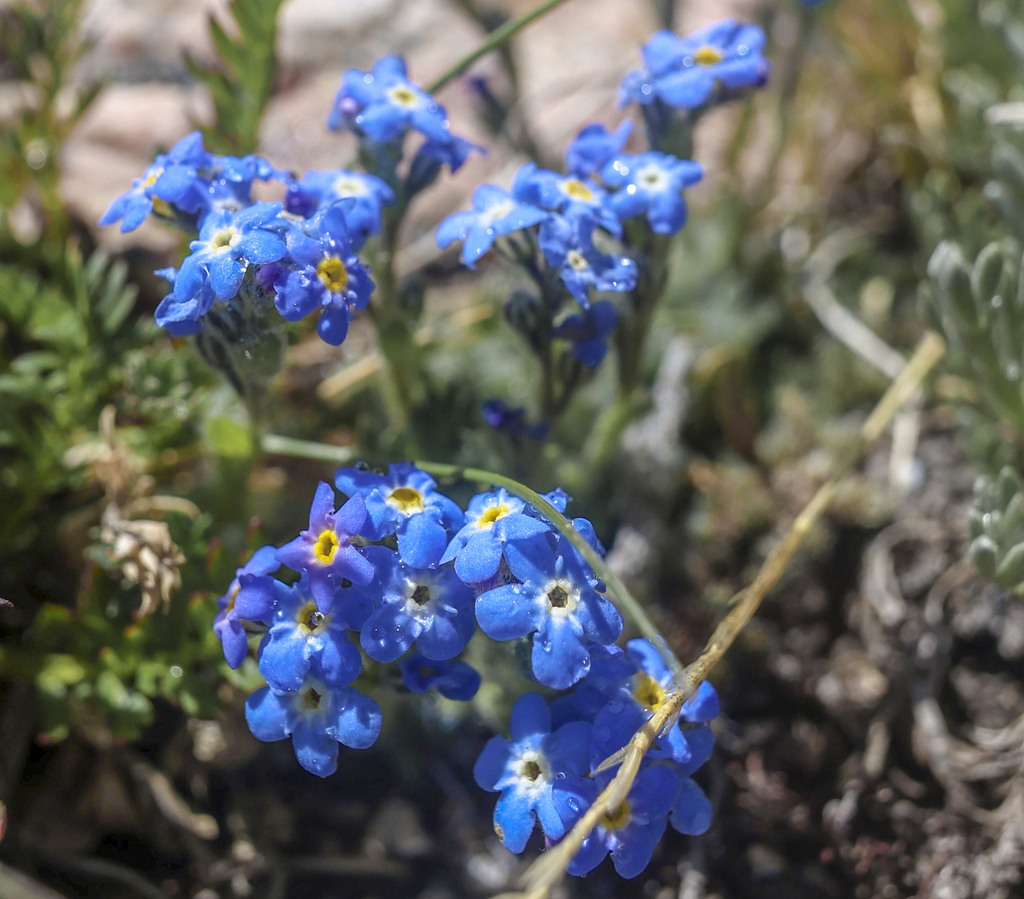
[229, 438]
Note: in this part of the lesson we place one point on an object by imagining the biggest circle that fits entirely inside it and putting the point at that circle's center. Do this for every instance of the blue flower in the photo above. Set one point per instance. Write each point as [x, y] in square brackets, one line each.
[651, 183]
[405, 502]
[554, 599]
[492, 520]
[326, 275]
[383, 104]
[367, 196]
[628, 833]
[324, 552]
[181, 317]
[246, 169]
[300, 637]
[511, 420]
[691, 813]
[495, 214]
[430, 606]
[589, 332]
[568, 246]
[594, 146]
[453, 151]
[166, 180]
[525, 769]
[566, 194]
[683, 72]
[250, 597]
[317, 717]
[637, 697]
[228, 244]
[452, 679]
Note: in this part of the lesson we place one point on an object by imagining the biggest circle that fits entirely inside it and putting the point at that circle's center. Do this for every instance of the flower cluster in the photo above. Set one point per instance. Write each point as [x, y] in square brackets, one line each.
[685, 73]
[404, 567]
[542, 772]
[403, 572]
[570, 228]
[299, 257]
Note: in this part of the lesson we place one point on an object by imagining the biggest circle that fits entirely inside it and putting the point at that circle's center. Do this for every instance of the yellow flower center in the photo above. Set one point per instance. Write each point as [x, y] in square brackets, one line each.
[618, 817]
[152, 177]
[310, 618]
[648, 692]
[403, 96]
[491, 515]
[577, 260]
[406, 500]
[225, 239]
[232, 596]
[325, 547]
[333, 274]
[707, 55]
[577, 190]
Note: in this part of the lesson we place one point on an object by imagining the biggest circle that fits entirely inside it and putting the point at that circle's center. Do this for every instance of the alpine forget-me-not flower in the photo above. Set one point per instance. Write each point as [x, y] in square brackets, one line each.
[324, 550]
[317, 717]
[429, 606]
[526, 768]
[553, 599]
[406, 502]
[250, 597]
[495, 213]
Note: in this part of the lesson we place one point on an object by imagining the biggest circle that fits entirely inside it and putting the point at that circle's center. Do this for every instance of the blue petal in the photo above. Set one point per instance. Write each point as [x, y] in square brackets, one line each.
[454, 228]
[634, 852]
[339, 662]
[514, 819]
[421, 541]
[441, 639]
[491, 764]
[703, 706]
[692, 811]
[508, 612]
[268, 715]
[688, 89]
[478, 560]
[388, 633]
[356, 720]
[226, 275]
[530, 717]
[560, 656]
[314, 750]
[284, 657]
[478, 240]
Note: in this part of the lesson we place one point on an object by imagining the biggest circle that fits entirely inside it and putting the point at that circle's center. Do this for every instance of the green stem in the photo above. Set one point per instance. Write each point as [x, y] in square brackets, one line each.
[494, 40]
[307, 449]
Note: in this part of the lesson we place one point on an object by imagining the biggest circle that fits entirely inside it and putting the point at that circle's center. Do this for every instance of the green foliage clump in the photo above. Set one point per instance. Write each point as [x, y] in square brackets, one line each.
[996, 527]
[242, 85]
[980, 310]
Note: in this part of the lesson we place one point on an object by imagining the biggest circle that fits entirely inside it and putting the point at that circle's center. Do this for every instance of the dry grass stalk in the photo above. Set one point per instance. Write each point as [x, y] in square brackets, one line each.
[550, 867]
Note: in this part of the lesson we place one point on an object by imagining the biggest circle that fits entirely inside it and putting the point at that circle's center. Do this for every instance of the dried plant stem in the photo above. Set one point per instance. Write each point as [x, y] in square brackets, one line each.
[550, 867]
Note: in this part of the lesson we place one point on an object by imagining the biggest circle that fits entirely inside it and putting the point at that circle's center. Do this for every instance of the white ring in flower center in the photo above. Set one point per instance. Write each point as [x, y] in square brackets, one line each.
[560, 598]
[403, 95]
[652, 177]
[349, 187]
[533, 770]
[496, 212]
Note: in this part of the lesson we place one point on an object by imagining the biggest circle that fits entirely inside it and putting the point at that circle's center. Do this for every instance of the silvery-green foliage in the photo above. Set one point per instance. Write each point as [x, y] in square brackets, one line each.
[980, 310]
[996, 526]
